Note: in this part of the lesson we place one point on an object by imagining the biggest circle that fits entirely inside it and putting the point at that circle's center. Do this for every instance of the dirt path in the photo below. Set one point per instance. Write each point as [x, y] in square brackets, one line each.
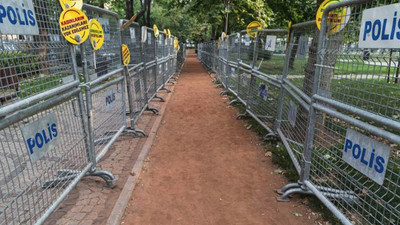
[205, 167]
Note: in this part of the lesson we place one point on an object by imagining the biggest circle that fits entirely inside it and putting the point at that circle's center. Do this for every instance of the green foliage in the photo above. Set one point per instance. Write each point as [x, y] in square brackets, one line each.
[177, 19]
[202, 20]
[295, 11]
[24, 63]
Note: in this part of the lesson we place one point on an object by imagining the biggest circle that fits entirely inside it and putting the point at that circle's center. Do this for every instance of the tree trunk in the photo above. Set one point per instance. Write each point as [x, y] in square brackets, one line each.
[129, 11]
[148, 22]
[294, 52]
[213, 32]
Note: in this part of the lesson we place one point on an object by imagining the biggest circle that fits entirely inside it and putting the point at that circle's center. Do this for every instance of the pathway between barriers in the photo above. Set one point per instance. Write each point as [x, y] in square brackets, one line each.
[205, 167]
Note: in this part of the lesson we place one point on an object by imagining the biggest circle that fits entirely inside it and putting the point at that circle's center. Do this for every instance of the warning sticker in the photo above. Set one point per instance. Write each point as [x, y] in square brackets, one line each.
[223, 36]
[67, 4]
[252, 28]
[126, 55]
[96, 34]
[156, 31]
[337, 19]
[176, 44]
[74, 26]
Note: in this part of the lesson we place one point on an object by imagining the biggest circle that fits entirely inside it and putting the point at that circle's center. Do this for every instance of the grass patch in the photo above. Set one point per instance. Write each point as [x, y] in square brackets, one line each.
[356, 65]
[374, 95]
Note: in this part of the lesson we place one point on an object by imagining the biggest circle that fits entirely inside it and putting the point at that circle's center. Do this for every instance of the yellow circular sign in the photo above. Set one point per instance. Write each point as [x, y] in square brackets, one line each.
[223, 36]
[337, 19]
[67, 4]
[252, 28]
[169, 33]
[96, 34]
[176, 43]
[74, 26]
[156, 31]
[126, 55]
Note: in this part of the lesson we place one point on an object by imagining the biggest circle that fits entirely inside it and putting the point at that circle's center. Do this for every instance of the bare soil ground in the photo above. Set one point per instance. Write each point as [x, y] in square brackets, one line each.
[205, 167]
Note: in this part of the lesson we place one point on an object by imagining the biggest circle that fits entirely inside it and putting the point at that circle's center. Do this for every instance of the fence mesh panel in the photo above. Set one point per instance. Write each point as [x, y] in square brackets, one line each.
[31, 64]
[24, 198]
[131, 36]
[108, 58]
[366, 79]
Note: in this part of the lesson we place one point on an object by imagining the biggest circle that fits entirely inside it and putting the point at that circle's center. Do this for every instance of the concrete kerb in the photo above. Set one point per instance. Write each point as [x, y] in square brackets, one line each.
[126, 193]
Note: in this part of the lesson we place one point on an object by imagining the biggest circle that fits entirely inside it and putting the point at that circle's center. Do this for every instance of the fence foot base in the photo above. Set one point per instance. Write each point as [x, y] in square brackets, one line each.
[224, 92]
[107, 176]
[234, 101]
[166, 89]
[287, 187]
[220, 86]
[270, 137]
[102, 141]
[67, 175]
[242, 116]
[135, 132]
[285, 196]
[153, 110]
[160, 98]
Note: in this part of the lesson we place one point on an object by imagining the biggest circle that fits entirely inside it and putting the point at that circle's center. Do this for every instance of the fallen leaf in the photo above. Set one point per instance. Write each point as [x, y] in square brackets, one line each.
[278, 171]
[268, 154]
[296, 214]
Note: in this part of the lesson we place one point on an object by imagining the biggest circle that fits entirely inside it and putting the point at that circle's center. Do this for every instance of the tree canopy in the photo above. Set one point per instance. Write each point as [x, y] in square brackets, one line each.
[200, 20]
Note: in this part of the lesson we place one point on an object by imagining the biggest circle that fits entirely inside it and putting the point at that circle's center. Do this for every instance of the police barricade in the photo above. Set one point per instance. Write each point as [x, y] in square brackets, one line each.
[104, 87]
[40, 145]
[42, 125]
[223, 59]
[294, 97]
[174, 57]
[240, 86]
[160, 61]
[168, 64]
[150, 63]
[351, 152]
[232, 58]
[181, 56]
[212, 57]
[165, 63]
[208, 54]
[134, 73]
[204, 52]
[266, 73]
[214, 62]
[200, 50]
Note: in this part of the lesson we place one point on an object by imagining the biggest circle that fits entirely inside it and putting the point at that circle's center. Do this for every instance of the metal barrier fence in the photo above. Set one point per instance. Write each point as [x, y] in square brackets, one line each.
[331, 95]
[63, 106]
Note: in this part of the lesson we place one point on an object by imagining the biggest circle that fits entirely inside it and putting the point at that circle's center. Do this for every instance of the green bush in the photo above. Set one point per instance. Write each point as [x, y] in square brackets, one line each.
[25, 64]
